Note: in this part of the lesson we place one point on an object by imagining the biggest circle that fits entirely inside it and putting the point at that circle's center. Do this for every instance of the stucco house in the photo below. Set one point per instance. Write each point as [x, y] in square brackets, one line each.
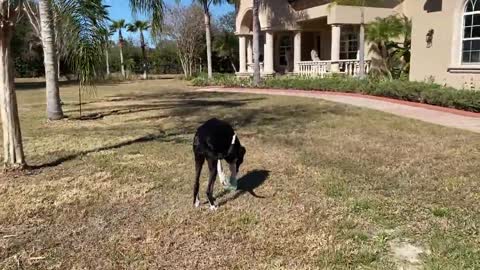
[315, 37]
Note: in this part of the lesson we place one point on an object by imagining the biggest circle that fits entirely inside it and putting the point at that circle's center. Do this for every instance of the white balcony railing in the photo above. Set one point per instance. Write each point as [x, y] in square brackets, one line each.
[322, 68]
[250, 67]
[314, 68]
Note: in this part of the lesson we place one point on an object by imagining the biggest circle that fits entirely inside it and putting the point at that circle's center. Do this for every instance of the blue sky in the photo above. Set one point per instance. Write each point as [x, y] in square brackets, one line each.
[121, 10]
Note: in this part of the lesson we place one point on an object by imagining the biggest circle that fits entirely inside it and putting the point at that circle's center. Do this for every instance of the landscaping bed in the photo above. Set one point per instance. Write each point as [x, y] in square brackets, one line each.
[420, 92]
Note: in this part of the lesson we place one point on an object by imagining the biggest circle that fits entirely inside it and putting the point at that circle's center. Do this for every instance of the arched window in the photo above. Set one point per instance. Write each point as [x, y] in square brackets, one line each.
[471, 32]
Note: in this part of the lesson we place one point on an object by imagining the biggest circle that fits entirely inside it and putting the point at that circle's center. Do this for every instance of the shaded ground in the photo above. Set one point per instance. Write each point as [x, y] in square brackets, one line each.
[325, 186]
[447, 117]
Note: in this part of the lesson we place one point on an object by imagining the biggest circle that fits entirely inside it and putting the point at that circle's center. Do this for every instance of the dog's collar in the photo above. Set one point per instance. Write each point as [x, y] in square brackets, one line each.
[233, 139]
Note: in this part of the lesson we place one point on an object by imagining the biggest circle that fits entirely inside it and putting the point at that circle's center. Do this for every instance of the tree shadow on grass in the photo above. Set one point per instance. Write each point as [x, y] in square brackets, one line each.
[41, 85]
[248, 183]
[185, 101]
[147, 138]
[199, 108]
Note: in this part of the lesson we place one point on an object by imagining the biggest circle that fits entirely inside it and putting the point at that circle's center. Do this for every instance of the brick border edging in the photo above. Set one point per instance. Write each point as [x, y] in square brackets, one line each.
[358, 95]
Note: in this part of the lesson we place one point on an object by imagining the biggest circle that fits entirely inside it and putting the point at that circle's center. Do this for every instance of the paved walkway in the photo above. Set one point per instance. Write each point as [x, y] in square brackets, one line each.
[427, 113]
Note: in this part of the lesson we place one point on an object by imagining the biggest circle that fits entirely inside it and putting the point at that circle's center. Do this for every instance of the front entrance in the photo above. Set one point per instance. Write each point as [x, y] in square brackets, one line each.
[285, 53]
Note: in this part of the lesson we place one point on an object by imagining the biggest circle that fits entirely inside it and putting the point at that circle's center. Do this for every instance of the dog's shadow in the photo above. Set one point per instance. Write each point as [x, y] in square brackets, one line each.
[247, 183]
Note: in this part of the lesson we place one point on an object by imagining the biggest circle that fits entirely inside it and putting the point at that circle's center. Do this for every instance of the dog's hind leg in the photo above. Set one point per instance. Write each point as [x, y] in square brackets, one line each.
[199, 160]
[212, 166]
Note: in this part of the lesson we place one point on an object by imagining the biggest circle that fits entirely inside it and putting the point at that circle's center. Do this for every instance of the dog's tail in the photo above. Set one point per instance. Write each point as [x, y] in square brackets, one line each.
[255, 195]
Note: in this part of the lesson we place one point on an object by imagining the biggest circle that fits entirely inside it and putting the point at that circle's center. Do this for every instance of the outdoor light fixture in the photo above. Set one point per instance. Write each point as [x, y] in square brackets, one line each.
[430, 38]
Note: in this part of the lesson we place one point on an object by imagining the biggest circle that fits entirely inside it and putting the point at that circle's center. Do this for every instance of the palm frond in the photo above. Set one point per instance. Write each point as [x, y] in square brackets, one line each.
[153, 8]
[87, 19]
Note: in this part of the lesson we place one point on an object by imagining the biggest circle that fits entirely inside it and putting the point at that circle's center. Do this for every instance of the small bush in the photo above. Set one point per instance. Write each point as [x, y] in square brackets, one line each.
[225, 80]
[428, 93]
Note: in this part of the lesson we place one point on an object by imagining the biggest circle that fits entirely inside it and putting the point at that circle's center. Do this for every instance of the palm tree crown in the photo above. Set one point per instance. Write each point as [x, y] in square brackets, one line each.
[139, 26]
[118, 26]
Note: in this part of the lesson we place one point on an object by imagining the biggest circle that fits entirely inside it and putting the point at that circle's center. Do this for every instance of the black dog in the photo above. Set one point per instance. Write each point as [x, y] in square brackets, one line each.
[214, 141]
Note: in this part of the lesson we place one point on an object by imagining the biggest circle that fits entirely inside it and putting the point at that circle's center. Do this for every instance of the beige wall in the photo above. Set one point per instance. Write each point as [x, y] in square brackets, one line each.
[281, 17]
[272, 16]
[442, 61]
[352, 15]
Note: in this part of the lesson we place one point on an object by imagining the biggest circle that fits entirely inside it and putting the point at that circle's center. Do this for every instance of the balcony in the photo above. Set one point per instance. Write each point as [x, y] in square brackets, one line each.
[324, 68]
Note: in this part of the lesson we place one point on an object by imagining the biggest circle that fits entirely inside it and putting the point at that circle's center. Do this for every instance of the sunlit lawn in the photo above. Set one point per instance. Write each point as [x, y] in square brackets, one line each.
[343, 187]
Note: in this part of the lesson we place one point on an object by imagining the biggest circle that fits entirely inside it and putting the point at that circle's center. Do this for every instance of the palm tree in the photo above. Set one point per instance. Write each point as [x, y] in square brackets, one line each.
[140, 26]
[58, 24]
[106, 34]
[256, 42]
[118, 26]
[54, 106]
[84, 58]
[207, 17]
[381, 34]
[13, 156]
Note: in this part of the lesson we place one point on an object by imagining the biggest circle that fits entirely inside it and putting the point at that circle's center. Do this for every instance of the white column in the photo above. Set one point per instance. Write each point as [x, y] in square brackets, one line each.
[268, 53]
[336, 31]
[249, 54]
[243, 54]
[297, 51]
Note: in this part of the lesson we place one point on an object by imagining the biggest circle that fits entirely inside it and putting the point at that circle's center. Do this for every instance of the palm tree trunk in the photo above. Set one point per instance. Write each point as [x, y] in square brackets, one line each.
[256, 43]
[107, 61]
[58, 68]
[54, 107]
[12, 136]
[362, 43]
[144, 55]
[121, 62]
[233, 66]
[208, 36]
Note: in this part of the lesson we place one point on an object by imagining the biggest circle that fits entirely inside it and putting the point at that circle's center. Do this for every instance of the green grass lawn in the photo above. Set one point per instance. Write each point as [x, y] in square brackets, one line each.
[343, 187]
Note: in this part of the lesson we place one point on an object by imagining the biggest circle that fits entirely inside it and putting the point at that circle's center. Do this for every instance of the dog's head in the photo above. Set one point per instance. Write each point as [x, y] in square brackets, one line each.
[240, 156]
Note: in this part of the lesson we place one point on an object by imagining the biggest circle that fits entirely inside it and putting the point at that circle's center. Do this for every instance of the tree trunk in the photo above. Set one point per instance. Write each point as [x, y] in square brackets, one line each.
[256, 43]
[54, 107]
[144, 55]
[121, 62]
[233, 66]
[184, 67]
[58, 68]
[107, 61]
[208, 36]
[13, 155]
[362, 45]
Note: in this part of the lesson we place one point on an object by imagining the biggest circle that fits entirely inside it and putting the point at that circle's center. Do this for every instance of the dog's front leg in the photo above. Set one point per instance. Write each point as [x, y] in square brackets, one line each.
[211, 182]
[221, 174]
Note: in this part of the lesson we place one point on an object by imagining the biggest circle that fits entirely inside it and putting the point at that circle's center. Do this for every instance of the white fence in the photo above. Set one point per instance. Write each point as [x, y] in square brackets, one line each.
[322, 68]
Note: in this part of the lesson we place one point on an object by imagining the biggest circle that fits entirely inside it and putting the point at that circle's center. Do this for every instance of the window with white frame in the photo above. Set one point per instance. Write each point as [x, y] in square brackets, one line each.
[471, 33]
[349, 44]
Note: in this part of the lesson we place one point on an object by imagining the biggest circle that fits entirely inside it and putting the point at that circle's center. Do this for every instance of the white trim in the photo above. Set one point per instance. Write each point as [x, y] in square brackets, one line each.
[465, 69]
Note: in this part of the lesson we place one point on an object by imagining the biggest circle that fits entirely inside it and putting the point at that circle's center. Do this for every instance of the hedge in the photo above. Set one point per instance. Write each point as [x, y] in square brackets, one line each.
[428, 93]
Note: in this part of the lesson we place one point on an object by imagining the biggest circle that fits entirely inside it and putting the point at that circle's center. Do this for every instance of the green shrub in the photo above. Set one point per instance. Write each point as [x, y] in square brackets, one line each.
[428, 93]
[225, 80]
